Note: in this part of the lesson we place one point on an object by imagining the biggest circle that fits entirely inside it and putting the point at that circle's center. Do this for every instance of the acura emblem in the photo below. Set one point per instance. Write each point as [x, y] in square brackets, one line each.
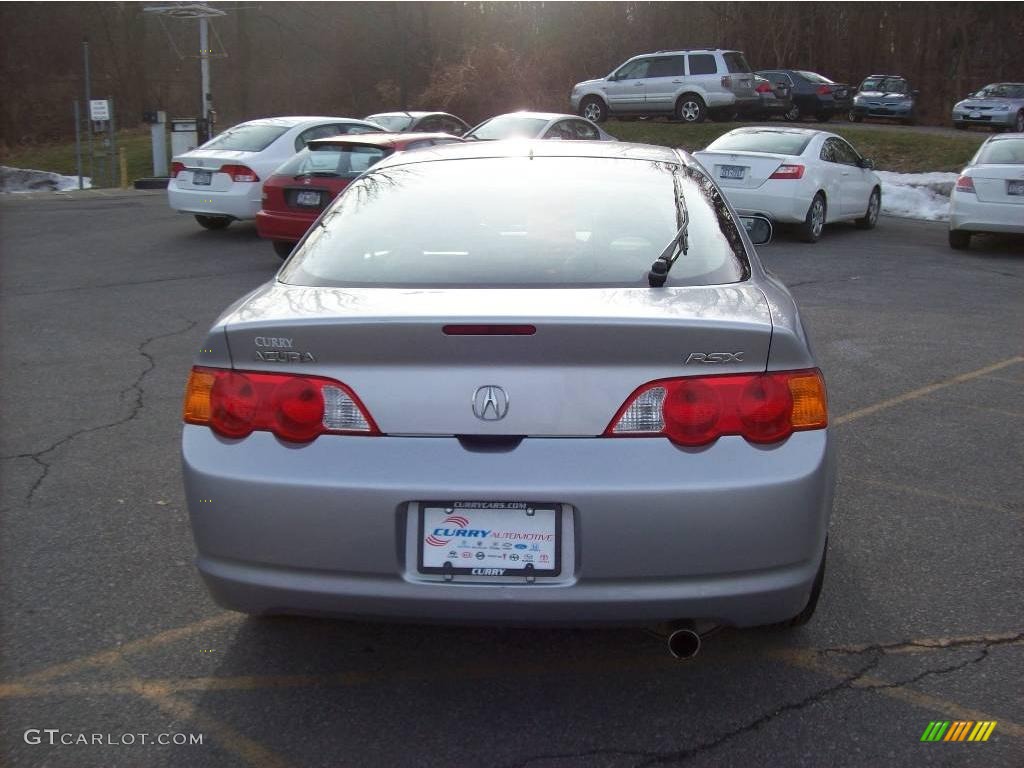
[490, 403]
[306, 180]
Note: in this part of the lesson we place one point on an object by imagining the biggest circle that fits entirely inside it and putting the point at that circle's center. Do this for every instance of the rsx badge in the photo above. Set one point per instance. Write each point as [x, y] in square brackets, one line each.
[714, 357]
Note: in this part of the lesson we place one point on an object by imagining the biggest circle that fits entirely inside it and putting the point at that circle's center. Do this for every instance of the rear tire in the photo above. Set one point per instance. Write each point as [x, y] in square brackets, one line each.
[594, 109]
[283, 249]
[793, 114]
[853, 117]
[871, 214]
[213, 222]
[814, 223]
[690, 108]
[1018, 124]
[959, 240]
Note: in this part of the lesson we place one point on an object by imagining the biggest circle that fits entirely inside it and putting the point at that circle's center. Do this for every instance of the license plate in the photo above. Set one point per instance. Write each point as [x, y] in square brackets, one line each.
[975, 115]
[201, 178]
[731, 171]
[308, 198]
[490, 538]
[1015, 187]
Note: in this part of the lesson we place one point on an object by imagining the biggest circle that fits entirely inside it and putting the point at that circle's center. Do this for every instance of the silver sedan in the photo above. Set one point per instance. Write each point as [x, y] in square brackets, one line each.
[515, 382]
[999, 106]
[538, 125]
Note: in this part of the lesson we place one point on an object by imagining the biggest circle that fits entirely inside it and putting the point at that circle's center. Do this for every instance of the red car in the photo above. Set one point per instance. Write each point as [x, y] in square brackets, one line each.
[297, 192]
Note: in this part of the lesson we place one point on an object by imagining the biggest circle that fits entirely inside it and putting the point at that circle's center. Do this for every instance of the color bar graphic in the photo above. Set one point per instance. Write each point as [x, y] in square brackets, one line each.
[958, 730]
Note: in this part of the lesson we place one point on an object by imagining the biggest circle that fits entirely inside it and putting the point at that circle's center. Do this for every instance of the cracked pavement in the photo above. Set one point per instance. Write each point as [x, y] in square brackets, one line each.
[107, 629]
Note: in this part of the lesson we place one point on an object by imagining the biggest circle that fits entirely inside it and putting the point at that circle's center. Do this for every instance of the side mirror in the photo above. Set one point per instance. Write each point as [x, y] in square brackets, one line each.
[865, 162]
[759, 229]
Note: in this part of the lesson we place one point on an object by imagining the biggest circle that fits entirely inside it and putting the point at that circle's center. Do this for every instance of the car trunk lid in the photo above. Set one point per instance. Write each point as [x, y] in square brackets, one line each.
[999, 183]
[743, 170]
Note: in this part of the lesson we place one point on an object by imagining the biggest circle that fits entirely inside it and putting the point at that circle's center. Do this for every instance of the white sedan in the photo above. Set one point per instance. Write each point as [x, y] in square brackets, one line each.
[989, 195]
[222, 180]
[795, 175]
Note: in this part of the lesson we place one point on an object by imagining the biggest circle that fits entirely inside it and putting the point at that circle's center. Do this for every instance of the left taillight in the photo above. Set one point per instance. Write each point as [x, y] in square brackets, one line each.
[694, 411]
[965, 184]
[240, 172]
[763, 88]
[176, 168]
[824, 90]
[791, 172]
[295, 408]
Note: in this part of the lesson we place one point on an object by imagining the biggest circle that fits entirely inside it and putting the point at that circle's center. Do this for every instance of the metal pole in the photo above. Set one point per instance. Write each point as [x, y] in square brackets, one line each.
[88, 107]
[204, 63]
[113, 142]
[78, 146]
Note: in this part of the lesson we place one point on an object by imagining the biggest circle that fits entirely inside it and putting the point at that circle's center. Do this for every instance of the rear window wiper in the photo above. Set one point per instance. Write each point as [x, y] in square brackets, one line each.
[679, 245]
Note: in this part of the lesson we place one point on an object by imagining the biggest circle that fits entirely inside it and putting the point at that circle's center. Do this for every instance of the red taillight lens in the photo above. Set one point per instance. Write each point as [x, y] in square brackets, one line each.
[965, 184]
[240, 172]
[176, 168]
[294, 407]
[762, 408]
[824, 90]
[763, 88]
[788, 172]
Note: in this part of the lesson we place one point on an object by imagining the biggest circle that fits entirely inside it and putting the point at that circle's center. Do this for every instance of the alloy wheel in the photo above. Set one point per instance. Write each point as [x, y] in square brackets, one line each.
[874, 204]
[817, 216]
[689, 111]
[1020, 122]
[592, 111]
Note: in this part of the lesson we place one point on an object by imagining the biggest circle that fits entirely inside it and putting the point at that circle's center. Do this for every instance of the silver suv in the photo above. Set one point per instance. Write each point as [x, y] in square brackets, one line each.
[687, 84]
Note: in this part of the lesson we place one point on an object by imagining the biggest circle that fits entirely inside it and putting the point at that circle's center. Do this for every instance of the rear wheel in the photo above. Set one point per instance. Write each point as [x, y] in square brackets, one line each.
[871, 215]
[213, 222]
[814, 223]
[691, 109]
[594, 109]
[959, 240]
[853, 117]
[792, 114]
[1018, 124]
[283, 249]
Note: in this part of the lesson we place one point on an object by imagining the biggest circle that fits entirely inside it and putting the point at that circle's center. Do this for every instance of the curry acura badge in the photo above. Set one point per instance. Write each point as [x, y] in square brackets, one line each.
[490, 403]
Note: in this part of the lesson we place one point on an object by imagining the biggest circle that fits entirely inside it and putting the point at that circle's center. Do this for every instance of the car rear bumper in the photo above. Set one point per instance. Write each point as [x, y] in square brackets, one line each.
[242, 201]
[282, 226]
[731, 532]
[778, 200]
[967, 213]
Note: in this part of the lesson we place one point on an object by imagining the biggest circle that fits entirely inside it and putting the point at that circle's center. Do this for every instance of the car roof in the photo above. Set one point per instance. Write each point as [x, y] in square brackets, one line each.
[291, 121]
[415, 114]
[471, 150]
[893, 77]
[778, 129]
[536, 115]
[380, 139]
[692, 50]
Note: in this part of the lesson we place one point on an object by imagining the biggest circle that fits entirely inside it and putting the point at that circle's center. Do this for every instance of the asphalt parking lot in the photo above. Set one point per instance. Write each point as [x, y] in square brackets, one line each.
[107, 629]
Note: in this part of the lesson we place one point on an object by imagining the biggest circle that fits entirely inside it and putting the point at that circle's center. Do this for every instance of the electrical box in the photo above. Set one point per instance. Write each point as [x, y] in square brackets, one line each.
[184, 135]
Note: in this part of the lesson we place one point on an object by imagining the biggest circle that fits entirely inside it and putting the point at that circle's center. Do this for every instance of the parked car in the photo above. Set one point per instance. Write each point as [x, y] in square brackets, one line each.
[999, 106]
[421, 122]
[298, 191]
[472, 350]
[813, 95]
[538, 125]
[885, 96]
[221, 181]
[795, 175]
[688, 85]
[775, 98]
[989, 195]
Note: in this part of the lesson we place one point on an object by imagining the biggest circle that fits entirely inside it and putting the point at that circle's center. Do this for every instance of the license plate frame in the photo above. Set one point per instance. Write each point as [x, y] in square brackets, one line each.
[1014, 187]
[202, 178]
[737, 172]
[517, 554]
[308, 198]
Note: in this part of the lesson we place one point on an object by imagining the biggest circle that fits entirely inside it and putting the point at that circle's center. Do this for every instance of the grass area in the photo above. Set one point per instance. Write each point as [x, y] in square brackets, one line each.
[903, 150]
[60, 158]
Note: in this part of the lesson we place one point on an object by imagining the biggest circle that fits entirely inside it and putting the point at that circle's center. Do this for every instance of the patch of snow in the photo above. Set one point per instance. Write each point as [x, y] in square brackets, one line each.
[26, 180]
[917, 195]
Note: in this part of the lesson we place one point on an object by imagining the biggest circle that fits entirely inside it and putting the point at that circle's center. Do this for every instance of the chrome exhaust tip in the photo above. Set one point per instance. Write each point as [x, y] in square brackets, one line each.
[684, 641]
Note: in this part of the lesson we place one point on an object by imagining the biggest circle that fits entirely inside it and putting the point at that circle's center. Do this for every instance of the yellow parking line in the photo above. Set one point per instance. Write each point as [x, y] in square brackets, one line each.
[914, 394]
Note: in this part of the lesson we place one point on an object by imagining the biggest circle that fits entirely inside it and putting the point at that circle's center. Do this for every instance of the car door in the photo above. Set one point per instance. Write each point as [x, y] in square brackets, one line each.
[625, 88]
[856, 182]
[584, 131]
[702, 71]
[830, 178]
[664, 77]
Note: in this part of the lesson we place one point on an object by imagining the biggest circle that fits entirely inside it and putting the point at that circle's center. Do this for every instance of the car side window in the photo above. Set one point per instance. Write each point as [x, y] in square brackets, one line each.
[634, 70]
[844, 153]
[560, 130]
[317, 132]
[828, 151]
[454, 127]
[430, 125]
[703, 64]
[667, 66]
[584, 131]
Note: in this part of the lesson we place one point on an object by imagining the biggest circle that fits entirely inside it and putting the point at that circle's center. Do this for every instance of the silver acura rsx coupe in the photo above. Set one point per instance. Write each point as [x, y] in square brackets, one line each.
[517, 382]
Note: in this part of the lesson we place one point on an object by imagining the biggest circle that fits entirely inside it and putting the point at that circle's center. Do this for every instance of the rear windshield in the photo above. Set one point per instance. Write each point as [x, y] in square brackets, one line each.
[735, 62]
[814, 77]
[396, 123]
[343, 161]
[777, 142]
[1002, 152]
[516, 221]
[508, 127]
[247, 137]
[1002, 90]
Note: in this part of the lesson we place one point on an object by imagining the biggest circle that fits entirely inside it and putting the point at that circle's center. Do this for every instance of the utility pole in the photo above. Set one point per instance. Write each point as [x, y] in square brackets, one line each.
[88, 101]
[204, 66]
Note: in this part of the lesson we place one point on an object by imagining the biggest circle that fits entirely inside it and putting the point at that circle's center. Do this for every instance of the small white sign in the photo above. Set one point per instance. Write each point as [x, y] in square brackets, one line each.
[99, 109]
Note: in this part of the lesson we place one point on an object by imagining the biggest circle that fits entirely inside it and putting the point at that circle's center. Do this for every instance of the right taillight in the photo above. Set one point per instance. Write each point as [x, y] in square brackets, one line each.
[763, 88]
[176, 168]
[965, 184]
[240, 172]
[762, 408]
[824, 90]
[788, 172]
[295, 408]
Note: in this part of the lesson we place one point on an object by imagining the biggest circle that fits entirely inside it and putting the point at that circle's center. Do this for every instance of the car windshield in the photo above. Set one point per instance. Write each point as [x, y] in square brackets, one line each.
[1002, 91]
[1002, 152]
[345, 161]
[885, 85]
[247, 137]
[508, 127]
[776, 142]
[814, 77]
[520, 221]
[396, 123]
